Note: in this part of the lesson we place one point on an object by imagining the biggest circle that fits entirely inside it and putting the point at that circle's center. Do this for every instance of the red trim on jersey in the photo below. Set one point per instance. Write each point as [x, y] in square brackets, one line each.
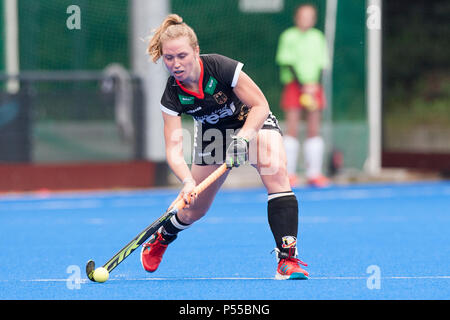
[199, 95]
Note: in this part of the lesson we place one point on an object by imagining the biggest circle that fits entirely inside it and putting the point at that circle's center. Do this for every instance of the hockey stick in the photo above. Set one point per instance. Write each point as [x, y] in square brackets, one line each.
[177, 205]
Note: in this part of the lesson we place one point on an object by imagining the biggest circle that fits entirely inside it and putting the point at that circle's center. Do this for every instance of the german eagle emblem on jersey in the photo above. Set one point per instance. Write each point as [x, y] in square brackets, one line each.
[220, 97]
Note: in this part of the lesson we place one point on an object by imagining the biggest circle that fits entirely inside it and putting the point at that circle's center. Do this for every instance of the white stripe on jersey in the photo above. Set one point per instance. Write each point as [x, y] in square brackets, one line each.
[236, 74]
[168, 111]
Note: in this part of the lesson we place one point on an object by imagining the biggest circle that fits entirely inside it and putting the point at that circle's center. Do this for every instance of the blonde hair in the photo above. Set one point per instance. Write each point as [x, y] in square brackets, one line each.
[171, 28]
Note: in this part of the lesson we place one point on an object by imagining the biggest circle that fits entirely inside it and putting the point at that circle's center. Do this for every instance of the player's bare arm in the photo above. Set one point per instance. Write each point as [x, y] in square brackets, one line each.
[250, 94]
[175, 158]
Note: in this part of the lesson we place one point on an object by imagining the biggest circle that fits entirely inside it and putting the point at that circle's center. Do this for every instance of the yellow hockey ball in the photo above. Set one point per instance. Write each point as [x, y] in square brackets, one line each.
[101, 274]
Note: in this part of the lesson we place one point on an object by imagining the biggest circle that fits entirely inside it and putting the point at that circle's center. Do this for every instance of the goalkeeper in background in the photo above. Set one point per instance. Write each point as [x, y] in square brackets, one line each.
[302, 55]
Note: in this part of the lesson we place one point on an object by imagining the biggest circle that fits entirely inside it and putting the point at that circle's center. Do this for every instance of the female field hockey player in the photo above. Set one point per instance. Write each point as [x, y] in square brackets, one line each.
[231, 116]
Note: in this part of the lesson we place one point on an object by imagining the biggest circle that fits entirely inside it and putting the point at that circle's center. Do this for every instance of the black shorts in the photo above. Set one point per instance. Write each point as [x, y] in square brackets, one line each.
[210, 145]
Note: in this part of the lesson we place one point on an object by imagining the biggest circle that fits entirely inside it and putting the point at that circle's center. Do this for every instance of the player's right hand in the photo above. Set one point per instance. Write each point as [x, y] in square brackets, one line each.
[237, 152]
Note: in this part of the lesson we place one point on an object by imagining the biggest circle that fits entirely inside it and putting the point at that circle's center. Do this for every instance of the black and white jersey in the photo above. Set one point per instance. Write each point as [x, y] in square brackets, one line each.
[215, 108]
[215, 105]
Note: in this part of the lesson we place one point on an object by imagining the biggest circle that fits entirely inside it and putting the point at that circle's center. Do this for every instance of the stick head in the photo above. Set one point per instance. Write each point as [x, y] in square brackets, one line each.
[90, 267]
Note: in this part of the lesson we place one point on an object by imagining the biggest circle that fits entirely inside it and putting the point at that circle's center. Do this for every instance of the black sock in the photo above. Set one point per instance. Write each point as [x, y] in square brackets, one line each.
[282, 210]
[172, 227]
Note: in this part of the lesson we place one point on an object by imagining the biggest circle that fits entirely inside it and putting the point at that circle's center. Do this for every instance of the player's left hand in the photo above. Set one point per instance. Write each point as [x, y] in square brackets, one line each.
[187, 192]
[237, 152]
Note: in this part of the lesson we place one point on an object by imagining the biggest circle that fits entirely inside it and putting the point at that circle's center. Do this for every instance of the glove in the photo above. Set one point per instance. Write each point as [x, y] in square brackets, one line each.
[308, 101]
[237, 152]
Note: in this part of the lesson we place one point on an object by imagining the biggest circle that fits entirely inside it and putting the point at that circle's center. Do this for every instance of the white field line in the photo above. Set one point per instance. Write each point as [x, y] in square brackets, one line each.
[236, 278]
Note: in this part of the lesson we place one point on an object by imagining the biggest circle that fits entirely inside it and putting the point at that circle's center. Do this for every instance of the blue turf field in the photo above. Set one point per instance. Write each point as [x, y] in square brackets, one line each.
[400, 230]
